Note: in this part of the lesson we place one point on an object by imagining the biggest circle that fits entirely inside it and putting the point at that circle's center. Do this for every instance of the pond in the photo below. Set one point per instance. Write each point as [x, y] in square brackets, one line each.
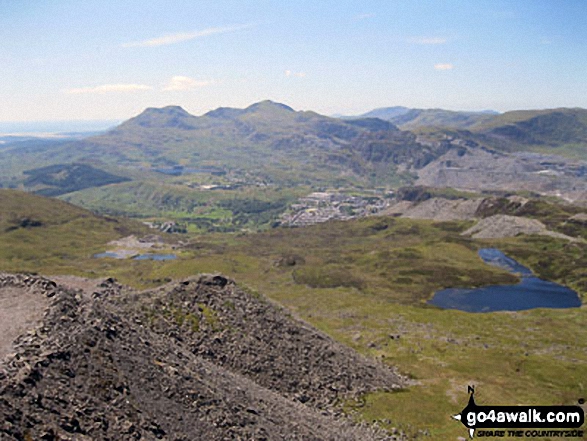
[530, 293]
[179, 170]
[155, 257]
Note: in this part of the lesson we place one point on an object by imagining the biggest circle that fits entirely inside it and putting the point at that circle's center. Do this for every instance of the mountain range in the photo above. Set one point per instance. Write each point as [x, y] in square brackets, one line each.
[551, 127]
[164, 153]
[408, 118]
[266, 142]
[268, 139]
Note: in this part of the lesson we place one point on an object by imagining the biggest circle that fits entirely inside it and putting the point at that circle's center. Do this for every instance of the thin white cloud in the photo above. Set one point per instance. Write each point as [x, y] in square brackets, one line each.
[180, 83]
[364, 16]
[109, 88]
[443, 66]
[289, 73]
[179, 37]
[428, 40]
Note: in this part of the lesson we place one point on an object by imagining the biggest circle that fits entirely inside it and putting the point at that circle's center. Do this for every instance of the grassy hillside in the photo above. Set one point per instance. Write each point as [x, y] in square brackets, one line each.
[440, 118]
[409, 119]
[548, 127]
[43, 234]
[517, 116]
[550, 131]
[59, 179]
[555, 131]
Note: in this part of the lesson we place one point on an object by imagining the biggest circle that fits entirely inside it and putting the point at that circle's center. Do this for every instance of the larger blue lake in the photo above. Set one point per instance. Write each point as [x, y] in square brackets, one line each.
[530, 293]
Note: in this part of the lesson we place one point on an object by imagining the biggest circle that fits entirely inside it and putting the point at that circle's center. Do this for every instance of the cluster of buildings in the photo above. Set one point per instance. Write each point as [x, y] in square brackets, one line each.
[322, 206]
[167, 227]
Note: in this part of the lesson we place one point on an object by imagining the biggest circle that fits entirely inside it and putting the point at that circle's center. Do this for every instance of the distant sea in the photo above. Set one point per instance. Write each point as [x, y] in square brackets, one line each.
[45, 127]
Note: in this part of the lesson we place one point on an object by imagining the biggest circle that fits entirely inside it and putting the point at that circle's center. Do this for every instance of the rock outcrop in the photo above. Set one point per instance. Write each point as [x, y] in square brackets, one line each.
[500, 225]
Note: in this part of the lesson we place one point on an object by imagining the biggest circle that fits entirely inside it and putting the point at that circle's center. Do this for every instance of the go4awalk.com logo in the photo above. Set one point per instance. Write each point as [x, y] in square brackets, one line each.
[521, 421]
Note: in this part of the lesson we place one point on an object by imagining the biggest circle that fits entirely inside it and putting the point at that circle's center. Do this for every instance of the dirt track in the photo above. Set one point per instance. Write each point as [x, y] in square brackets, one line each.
[21, 309]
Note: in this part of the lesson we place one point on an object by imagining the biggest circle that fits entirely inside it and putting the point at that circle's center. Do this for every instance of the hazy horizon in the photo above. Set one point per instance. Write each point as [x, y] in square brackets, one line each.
[24, 128]
[15, 127]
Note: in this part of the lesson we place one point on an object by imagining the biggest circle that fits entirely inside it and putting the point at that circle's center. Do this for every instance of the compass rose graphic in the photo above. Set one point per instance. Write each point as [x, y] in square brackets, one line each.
[470, 407]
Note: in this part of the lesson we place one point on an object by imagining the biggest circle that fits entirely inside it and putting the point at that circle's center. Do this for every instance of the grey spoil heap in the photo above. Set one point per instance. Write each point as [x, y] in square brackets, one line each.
[197, 359]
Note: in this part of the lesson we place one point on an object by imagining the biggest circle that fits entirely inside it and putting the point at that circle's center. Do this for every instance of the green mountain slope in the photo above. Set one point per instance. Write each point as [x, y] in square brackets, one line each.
[59, 179]
[42, 232]
[562, 130]
[408, 119]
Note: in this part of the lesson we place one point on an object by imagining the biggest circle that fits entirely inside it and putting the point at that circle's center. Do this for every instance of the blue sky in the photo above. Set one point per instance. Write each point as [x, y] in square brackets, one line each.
[65, 59]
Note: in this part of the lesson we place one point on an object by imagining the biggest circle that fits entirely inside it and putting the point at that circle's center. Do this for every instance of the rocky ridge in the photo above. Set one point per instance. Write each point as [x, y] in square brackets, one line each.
[201, 359]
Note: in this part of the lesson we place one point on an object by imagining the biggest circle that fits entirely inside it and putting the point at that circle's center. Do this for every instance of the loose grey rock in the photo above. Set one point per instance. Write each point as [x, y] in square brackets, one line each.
[500, 225]
[198, 359]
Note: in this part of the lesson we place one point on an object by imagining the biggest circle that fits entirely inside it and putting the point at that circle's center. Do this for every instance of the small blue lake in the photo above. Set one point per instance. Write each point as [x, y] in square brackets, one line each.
[108, 254]
[155, 257]
[179, 170]
[530, 293]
